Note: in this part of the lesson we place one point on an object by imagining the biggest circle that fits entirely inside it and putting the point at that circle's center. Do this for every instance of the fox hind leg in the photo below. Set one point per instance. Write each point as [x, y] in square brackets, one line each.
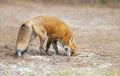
[48, 45]
[42, 40]
[41, 33]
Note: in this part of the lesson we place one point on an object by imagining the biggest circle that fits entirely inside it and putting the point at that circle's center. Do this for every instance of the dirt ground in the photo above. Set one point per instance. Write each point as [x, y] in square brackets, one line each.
[97, 31]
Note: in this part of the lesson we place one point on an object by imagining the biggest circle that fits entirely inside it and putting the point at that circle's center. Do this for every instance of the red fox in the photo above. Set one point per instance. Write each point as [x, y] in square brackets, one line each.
[40, 26]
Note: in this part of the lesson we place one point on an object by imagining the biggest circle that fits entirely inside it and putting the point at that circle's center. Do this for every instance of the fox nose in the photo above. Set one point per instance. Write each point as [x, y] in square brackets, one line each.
[19, 53]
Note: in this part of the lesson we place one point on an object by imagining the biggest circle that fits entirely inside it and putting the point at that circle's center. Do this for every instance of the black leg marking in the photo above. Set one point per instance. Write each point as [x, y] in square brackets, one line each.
[54, 44]
[48, 45]
[68, 53]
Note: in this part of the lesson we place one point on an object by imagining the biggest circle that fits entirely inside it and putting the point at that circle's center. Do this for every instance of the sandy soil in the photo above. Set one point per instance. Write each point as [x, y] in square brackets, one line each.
[97, 32]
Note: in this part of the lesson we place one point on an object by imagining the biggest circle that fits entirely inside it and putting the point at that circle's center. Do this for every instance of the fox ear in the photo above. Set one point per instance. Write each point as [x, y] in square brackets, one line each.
[72, 39]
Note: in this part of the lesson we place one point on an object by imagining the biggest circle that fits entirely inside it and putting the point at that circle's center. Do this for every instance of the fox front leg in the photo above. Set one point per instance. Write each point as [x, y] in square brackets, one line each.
[67, 49]
[54, 44]
[68, 52]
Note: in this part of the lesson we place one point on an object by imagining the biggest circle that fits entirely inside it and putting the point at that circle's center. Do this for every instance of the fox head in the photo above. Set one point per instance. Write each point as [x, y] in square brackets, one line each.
[23, 39]
[71, 46]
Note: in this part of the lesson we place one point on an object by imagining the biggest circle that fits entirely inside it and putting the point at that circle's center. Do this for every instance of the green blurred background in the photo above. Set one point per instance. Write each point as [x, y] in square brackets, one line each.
[73, 2]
